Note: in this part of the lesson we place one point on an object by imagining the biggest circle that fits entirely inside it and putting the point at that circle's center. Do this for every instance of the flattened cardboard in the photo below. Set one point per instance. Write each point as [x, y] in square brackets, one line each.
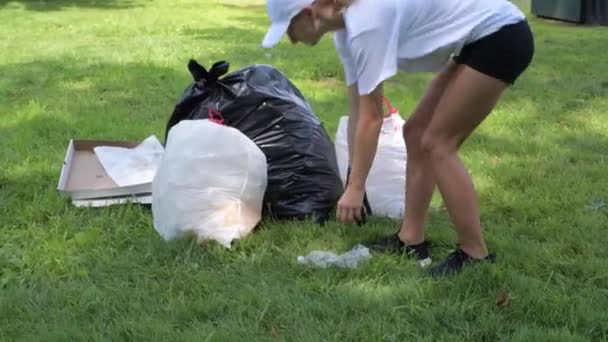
[109, 201]
[83, 176]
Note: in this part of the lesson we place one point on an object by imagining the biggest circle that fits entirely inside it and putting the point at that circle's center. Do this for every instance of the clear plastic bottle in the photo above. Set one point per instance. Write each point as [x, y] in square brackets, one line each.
[324, 259]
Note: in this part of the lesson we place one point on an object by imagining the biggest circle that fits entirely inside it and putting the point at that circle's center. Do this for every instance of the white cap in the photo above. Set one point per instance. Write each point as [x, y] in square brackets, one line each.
[281, 12]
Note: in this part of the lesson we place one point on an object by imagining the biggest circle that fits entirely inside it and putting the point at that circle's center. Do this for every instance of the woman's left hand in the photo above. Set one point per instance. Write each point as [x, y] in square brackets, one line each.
[350, 205]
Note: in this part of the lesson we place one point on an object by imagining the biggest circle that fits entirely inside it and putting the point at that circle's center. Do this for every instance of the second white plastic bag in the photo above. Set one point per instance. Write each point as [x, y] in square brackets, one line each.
[385, 184]
[210, 184]
[131, 166]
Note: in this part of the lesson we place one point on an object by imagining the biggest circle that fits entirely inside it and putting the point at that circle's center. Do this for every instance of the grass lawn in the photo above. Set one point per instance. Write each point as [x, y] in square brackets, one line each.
[114, 69]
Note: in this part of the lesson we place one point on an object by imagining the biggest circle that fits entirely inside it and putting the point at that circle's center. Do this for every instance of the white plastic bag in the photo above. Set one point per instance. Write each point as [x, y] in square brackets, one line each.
[386, 181]
[211, 183]
[131, 166]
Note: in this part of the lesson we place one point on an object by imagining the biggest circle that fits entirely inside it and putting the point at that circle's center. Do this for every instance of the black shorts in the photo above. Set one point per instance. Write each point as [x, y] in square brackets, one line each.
[504, 54]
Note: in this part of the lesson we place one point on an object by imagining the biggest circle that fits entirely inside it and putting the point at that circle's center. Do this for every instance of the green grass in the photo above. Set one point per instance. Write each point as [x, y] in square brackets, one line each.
[114, 69]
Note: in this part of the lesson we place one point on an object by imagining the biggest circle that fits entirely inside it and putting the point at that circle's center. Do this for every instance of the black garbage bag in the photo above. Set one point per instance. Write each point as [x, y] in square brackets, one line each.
[303, 174]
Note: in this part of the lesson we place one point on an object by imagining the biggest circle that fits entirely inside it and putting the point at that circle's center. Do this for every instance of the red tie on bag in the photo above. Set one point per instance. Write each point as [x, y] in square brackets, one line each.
[215, 116]
[391, 110]
[389, 125]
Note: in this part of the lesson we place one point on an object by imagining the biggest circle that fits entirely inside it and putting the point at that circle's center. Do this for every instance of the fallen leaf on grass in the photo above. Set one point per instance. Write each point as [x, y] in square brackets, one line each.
[274, 333]
[496, 161]
[503, 299]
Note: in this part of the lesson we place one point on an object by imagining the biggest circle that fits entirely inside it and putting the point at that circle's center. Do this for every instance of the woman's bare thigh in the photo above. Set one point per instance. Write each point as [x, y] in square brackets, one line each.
[465, 103]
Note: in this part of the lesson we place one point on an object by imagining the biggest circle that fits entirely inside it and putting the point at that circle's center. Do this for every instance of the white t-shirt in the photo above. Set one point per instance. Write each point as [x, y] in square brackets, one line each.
[383, 36]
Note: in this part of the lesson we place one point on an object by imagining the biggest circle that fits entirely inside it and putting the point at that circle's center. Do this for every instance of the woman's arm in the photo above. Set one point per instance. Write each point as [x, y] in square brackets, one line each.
[353, 118]
[365, 143]
[365, 140]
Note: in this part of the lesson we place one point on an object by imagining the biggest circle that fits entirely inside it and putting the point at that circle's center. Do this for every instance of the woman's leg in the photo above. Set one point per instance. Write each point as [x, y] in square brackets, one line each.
[420, 180]
[466, 102]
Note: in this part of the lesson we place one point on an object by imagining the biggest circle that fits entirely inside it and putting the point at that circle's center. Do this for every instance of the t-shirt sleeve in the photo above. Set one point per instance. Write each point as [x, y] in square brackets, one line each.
[350, 70]
[374, 53]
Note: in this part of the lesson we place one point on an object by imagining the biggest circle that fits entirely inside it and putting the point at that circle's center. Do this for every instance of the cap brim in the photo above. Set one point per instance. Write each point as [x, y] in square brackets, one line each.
[275, 34]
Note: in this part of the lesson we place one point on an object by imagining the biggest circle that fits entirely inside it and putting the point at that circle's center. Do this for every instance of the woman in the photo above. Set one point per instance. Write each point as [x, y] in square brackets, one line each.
[478, 49]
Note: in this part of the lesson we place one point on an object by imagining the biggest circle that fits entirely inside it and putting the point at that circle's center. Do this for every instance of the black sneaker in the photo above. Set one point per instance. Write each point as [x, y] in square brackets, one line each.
[455, 262]
[393, 244]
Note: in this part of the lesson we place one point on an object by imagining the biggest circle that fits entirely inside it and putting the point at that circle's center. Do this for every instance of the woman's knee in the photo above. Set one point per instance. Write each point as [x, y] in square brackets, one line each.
[412, 134]
[437, 147]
